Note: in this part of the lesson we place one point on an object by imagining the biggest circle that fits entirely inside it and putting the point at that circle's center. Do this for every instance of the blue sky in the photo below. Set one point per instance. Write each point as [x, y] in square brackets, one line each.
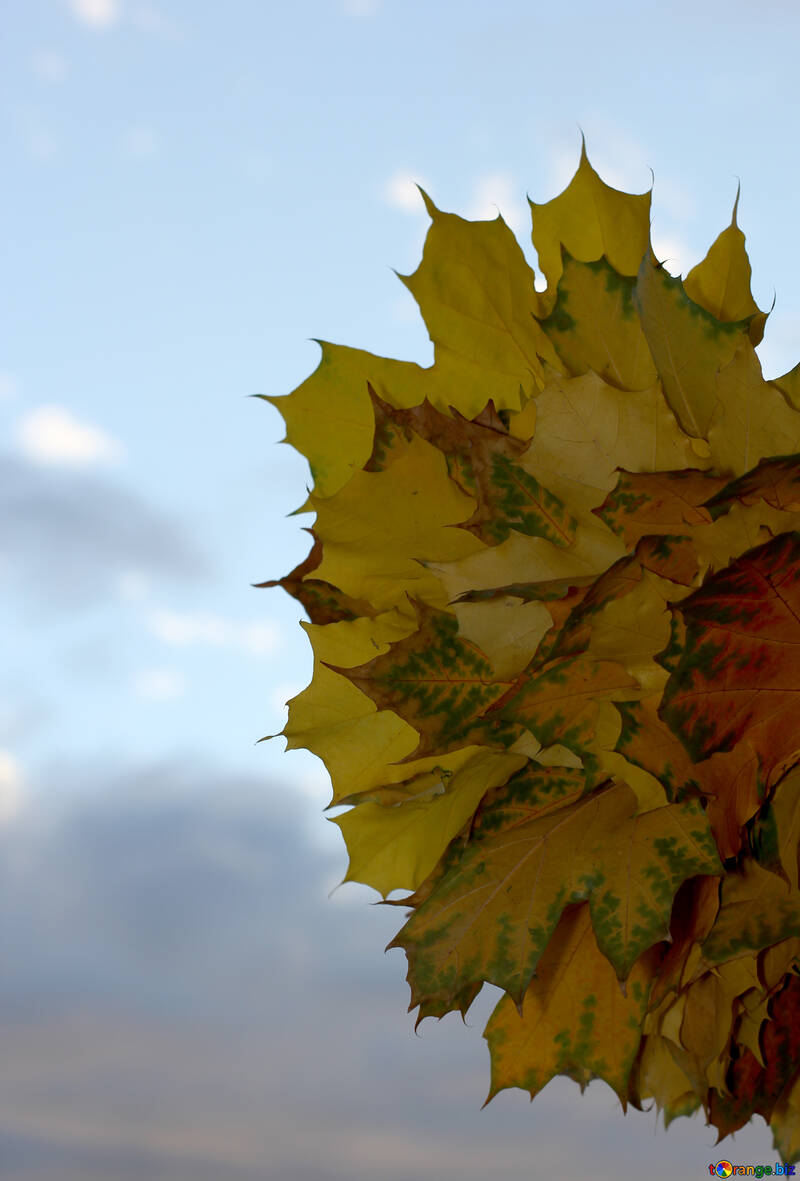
[192, 191]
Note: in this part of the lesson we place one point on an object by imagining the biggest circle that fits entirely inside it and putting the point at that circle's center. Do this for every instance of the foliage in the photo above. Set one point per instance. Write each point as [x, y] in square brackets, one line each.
[554, 602]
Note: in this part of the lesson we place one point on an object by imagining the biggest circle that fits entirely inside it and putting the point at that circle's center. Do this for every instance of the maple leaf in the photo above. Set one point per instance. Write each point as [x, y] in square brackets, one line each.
[785, 1122]
[755, 1087]
[775, 481]
[491, 917]
[321, 601]
[574, 1018]
[738, 678]
[476, 296]
[482, 459]
[721, 282]
[669, 503]
[590, 220]
[689, 345]
[656, 1075]
[554, 604]
[435, 680]
[594, 325]
[730, 781]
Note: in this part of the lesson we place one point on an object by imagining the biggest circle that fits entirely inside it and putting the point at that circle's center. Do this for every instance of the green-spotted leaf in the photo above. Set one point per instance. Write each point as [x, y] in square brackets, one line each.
[322, 602]
[595, 325]
[575, 1018]
[484, 461]
[721, 282]
[590, 220]
[643, 504]
[491, 917]
[689, 345]
[436, 681]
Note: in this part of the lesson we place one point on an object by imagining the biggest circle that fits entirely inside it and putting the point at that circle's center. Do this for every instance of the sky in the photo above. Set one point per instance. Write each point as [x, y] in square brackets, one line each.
[193, 193]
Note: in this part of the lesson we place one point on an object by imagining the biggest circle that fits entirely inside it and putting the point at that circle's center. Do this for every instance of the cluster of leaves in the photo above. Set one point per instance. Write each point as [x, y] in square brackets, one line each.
[554, 601]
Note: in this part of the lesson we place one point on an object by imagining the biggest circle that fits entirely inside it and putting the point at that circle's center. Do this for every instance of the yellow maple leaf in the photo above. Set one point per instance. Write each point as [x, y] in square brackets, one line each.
[574, 1018]
[590, 220]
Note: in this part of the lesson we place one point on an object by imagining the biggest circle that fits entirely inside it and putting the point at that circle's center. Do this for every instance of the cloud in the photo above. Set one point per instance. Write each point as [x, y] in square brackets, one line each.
[49, 65]
[180, 999]
[95, 14]
[148, 18]
[52, 435]
[163, 860]
[159, 684]
[10, 787]
[401, 191]
[183, 629]
[673, 252]
[67, 537]
[498, 192]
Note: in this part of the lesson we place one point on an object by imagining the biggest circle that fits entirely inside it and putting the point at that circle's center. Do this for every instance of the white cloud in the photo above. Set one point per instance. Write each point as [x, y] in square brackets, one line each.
[97, 14]
[141, 142]
[674, 253]
[8, 386]
[495, 192]
[159, 684]
[51, 435]
[402, 192]
[10, 787]
[49, 65]
[182, 629]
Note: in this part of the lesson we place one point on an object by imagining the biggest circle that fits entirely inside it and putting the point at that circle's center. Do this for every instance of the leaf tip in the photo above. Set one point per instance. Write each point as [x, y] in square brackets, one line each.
[429, 205]
[734, 222]
[492, 1092]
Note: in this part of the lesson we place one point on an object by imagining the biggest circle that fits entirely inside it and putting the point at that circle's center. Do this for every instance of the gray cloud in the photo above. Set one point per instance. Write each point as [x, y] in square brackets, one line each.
[180, 999]
[65, 537]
